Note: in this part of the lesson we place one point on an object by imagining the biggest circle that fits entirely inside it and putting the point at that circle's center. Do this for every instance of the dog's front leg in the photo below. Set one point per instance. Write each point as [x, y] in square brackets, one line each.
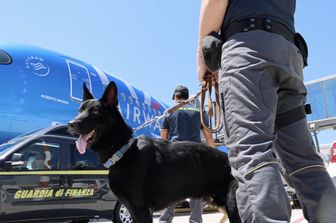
[142, 215]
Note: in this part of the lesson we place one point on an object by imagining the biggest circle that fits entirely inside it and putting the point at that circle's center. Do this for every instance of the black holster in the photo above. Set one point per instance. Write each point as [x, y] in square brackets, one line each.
[302, 46]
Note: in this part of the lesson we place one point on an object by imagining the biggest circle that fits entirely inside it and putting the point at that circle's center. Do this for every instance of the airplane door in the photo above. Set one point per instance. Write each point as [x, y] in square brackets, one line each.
[78, 75]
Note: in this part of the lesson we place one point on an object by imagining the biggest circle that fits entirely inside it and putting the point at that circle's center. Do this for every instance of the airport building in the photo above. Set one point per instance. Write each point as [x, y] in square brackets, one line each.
[322, 98]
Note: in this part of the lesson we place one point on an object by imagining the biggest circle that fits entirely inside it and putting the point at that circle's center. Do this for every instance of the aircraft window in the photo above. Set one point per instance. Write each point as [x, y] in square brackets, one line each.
[137, 103]
[41, 155]
[149, 109]
[144, 106]
[123, 97]
[155, 112]
[86, 161]
[5, 58]
[130, 100]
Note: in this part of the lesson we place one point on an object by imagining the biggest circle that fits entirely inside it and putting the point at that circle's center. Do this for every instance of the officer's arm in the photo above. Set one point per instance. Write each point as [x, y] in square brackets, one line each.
[211, 18]
[208, 137]
[164, 133]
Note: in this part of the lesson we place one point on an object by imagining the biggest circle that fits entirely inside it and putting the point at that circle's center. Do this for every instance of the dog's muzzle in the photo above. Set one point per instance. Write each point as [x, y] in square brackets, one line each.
[73, 127]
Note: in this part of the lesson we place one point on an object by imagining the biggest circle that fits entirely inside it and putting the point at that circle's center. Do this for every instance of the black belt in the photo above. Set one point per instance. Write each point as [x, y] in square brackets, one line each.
[250, 24]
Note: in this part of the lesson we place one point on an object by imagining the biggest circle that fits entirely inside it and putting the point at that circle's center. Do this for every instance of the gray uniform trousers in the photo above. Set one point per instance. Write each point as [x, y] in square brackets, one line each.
[261, 76]
[196, 209]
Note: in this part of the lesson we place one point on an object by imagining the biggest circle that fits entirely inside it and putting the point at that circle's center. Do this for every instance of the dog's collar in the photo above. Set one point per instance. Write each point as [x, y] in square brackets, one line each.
[119, 154]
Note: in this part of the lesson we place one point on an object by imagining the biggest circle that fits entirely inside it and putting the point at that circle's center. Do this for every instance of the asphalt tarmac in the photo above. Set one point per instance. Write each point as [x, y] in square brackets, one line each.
[297, 217]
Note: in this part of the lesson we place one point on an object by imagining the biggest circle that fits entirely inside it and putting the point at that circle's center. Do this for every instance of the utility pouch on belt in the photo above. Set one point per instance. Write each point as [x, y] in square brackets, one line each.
[302, 45]
[212, 48]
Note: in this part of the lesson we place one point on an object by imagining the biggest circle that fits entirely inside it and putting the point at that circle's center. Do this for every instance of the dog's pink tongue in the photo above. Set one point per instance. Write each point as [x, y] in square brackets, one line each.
[81, 143]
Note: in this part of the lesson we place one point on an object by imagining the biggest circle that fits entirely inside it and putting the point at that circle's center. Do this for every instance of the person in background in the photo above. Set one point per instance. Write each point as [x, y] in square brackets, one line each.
[184, 124]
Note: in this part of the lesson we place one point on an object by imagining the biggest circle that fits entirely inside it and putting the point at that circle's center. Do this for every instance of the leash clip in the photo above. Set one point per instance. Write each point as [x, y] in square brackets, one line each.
[115, 158]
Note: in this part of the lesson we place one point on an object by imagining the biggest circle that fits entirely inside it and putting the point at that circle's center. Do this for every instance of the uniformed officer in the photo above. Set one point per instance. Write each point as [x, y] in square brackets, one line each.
[261, 81]
[184, 124]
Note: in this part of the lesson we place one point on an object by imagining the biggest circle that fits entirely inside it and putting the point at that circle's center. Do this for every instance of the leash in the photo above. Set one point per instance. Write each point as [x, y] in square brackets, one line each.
[206, 86]
[167, 111]
[119, 154]
[209, 82]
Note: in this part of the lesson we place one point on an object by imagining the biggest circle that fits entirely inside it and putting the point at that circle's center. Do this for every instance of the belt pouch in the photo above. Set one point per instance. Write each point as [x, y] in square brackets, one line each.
[302, 46]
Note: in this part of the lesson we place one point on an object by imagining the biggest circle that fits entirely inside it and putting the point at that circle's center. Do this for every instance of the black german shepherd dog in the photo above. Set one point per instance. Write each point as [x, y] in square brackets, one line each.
[152, 173]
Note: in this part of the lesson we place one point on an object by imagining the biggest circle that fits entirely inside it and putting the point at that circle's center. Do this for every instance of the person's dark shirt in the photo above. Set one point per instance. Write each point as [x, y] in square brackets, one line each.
[183, 124]
[278, 10]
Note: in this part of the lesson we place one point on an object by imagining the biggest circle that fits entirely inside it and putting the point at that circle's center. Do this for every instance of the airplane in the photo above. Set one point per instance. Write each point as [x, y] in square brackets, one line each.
[40, 87]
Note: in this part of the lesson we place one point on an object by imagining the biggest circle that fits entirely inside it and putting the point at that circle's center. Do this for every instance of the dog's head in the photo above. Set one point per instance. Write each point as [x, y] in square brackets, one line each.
[99, 123]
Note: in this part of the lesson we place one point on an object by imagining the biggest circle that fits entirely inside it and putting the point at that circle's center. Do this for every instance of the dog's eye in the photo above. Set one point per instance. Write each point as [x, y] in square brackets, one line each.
[95, 111]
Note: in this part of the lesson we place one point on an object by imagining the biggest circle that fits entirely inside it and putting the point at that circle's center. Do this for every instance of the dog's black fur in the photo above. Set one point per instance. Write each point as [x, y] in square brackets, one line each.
[153, 173]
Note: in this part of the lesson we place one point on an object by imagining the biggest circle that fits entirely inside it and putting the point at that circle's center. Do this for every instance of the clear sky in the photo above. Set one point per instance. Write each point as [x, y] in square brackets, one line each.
[150, 43]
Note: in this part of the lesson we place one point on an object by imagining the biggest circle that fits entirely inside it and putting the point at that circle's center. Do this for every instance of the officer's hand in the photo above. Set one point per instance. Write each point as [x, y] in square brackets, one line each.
[215, 74]
[210, 76]
[203, 71]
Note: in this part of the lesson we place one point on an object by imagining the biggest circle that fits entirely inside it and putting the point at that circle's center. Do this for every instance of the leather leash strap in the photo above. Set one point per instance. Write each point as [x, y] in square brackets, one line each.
[207, 86]
[182, 103]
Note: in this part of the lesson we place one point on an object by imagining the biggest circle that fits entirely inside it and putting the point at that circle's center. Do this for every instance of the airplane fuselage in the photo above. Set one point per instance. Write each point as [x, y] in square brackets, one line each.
[40, 87]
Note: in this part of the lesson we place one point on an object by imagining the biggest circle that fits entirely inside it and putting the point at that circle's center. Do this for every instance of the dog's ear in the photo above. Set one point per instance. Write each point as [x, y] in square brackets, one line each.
[110, 97]
[86, 93]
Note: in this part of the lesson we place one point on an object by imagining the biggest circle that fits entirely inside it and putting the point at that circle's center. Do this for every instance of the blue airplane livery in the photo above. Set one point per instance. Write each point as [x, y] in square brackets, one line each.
[40, 87]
